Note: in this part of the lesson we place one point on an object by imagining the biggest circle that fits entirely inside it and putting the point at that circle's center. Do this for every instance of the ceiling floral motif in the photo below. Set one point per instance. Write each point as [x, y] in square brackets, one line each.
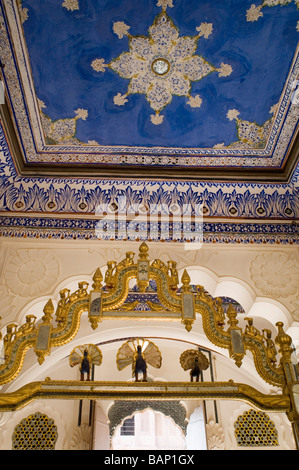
[275, 274]
[250, 134]
[161, 65]
[254, 12]
[61, 130]
[71, 4]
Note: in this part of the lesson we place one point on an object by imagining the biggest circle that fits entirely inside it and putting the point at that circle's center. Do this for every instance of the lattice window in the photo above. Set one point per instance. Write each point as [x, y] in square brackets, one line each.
[128, 427]
[36, 432]
[254, 428]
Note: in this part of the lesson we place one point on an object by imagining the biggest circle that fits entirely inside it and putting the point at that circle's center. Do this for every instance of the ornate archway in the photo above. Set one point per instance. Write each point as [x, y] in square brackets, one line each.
[158, 295]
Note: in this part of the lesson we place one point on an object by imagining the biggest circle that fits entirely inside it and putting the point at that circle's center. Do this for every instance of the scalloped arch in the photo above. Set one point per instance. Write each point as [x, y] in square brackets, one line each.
[217, 286]
[262, 307]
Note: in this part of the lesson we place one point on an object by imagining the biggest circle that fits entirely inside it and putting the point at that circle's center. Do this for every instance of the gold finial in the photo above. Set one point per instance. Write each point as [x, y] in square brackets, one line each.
[97, 280]
[143, 251]
[284, 342]
[185, 281]
[48, 311]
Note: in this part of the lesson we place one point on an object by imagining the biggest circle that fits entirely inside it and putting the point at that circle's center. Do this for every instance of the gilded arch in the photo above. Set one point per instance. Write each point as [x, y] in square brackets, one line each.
[172, 300]
[109, 299]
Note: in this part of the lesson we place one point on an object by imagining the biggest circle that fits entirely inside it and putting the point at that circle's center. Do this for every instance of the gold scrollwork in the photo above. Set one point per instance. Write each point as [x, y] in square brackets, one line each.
[182, 303]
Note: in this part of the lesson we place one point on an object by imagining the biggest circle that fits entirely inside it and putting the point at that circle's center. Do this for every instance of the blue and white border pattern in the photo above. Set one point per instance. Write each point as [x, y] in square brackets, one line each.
[22, 227]
[81, 195]
[218, 234]
[66, 208]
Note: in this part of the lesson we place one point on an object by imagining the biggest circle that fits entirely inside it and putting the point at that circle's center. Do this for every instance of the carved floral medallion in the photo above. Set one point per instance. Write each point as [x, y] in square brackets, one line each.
[276, 274]
[31, 272]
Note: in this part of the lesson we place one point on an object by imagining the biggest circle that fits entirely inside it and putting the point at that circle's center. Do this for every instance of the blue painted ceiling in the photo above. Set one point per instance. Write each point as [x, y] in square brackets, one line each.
[62, 44]
[83, 89]
[70, 103]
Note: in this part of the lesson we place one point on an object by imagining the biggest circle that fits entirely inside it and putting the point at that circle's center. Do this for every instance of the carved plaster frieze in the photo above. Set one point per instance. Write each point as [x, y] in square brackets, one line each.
[295, 309]
[31, 272]
[81, 438]
[275, 274]
[215, 436]
[7, 305]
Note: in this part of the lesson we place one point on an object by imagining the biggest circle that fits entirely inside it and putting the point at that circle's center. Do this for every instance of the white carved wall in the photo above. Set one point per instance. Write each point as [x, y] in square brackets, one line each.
[263, 279]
